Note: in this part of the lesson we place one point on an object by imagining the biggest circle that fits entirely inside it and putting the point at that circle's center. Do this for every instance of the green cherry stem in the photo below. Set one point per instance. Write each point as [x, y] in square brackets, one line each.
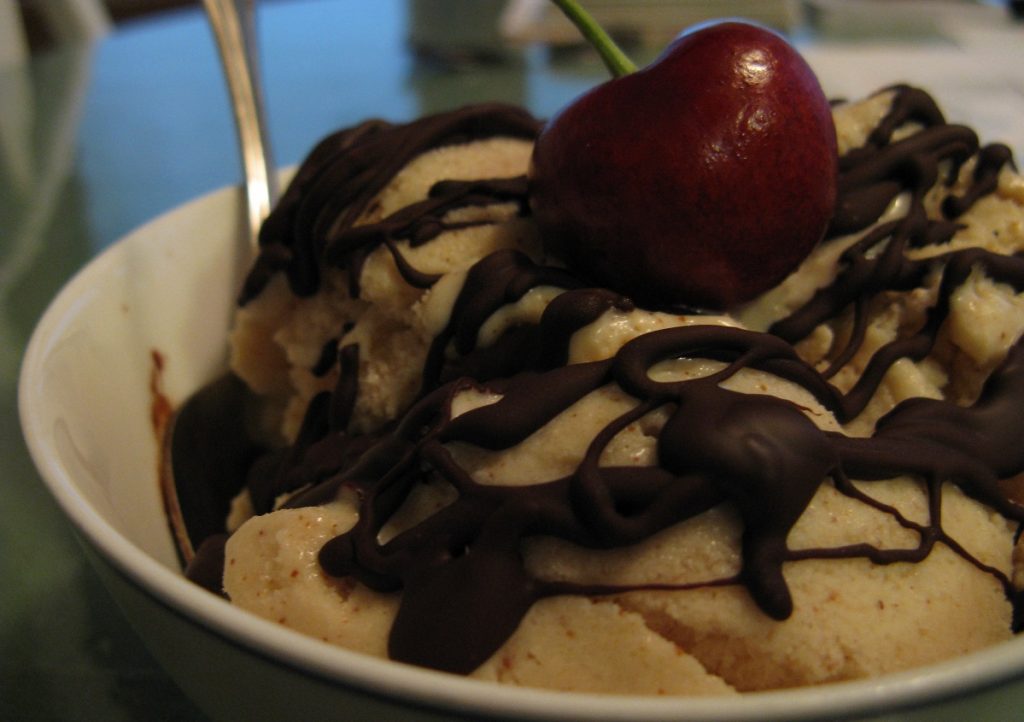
[616, 61]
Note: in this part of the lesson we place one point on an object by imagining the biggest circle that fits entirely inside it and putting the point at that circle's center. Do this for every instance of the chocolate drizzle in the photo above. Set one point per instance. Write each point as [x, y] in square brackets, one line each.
[461, 572]
[314, 222]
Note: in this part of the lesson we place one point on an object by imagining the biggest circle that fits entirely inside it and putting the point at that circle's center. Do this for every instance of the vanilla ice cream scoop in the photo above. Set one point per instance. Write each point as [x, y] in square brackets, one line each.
[482, 465]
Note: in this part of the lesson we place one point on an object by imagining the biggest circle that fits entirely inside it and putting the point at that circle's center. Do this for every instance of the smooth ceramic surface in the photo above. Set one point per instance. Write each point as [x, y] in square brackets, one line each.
[86, 398]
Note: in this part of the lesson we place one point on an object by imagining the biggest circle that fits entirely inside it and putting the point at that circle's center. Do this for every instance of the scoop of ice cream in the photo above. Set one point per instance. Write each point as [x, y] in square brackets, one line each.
[283, 344]
[484, 456]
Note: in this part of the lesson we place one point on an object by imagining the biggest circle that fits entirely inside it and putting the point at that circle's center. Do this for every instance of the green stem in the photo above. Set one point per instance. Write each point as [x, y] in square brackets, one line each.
[616, 60]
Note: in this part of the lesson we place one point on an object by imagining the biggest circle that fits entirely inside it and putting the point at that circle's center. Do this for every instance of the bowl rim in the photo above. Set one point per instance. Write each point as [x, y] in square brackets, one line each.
[970, 674]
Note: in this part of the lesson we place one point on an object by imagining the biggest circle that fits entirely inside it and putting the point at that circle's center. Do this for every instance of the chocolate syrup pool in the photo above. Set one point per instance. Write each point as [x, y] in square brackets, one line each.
[461, 574]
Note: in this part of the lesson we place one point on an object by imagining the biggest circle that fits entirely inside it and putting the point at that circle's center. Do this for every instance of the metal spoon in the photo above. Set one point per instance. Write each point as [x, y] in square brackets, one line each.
[234, 27]
[205, 449]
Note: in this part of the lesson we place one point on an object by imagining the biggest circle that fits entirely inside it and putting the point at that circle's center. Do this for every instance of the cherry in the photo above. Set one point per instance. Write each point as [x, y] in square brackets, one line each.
[699, 181]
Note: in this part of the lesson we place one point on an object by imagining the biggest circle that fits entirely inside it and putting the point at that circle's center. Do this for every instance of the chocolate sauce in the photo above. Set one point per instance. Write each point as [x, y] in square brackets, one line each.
[461, 573]
[314, 222]
[211, 449]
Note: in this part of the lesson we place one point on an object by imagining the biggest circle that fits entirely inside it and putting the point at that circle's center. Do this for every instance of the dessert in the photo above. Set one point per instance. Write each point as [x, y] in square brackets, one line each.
[480, 462]
[720, 106]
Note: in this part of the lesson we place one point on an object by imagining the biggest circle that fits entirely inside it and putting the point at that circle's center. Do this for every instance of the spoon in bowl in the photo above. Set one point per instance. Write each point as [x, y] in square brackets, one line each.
[206, 449]
[234, 27]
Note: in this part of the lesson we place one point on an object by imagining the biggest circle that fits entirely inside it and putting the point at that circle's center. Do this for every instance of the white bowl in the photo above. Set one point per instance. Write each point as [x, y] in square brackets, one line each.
[85, 403]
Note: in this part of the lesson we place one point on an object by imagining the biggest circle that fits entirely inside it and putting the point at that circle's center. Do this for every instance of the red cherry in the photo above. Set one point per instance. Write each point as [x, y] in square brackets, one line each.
[701, 180]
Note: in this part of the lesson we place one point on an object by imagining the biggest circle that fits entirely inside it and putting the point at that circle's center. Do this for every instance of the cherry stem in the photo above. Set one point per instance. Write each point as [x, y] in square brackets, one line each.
[616, 61]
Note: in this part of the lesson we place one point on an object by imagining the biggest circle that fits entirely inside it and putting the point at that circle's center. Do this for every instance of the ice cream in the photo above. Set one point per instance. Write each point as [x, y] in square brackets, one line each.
[482, 464]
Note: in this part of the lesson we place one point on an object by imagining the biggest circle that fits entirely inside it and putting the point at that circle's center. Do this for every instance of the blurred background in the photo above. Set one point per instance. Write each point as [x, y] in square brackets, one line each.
[640, 19]
[150, 66]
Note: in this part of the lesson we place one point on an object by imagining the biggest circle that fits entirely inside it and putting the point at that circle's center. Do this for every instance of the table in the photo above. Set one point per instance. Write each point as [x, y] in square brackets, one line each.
[95, 140]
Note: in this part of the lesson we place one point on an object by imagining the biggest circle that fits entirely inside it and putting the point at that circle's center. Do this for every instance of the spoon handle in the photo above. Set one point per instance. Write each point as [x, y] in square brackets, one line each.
[234, 28]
